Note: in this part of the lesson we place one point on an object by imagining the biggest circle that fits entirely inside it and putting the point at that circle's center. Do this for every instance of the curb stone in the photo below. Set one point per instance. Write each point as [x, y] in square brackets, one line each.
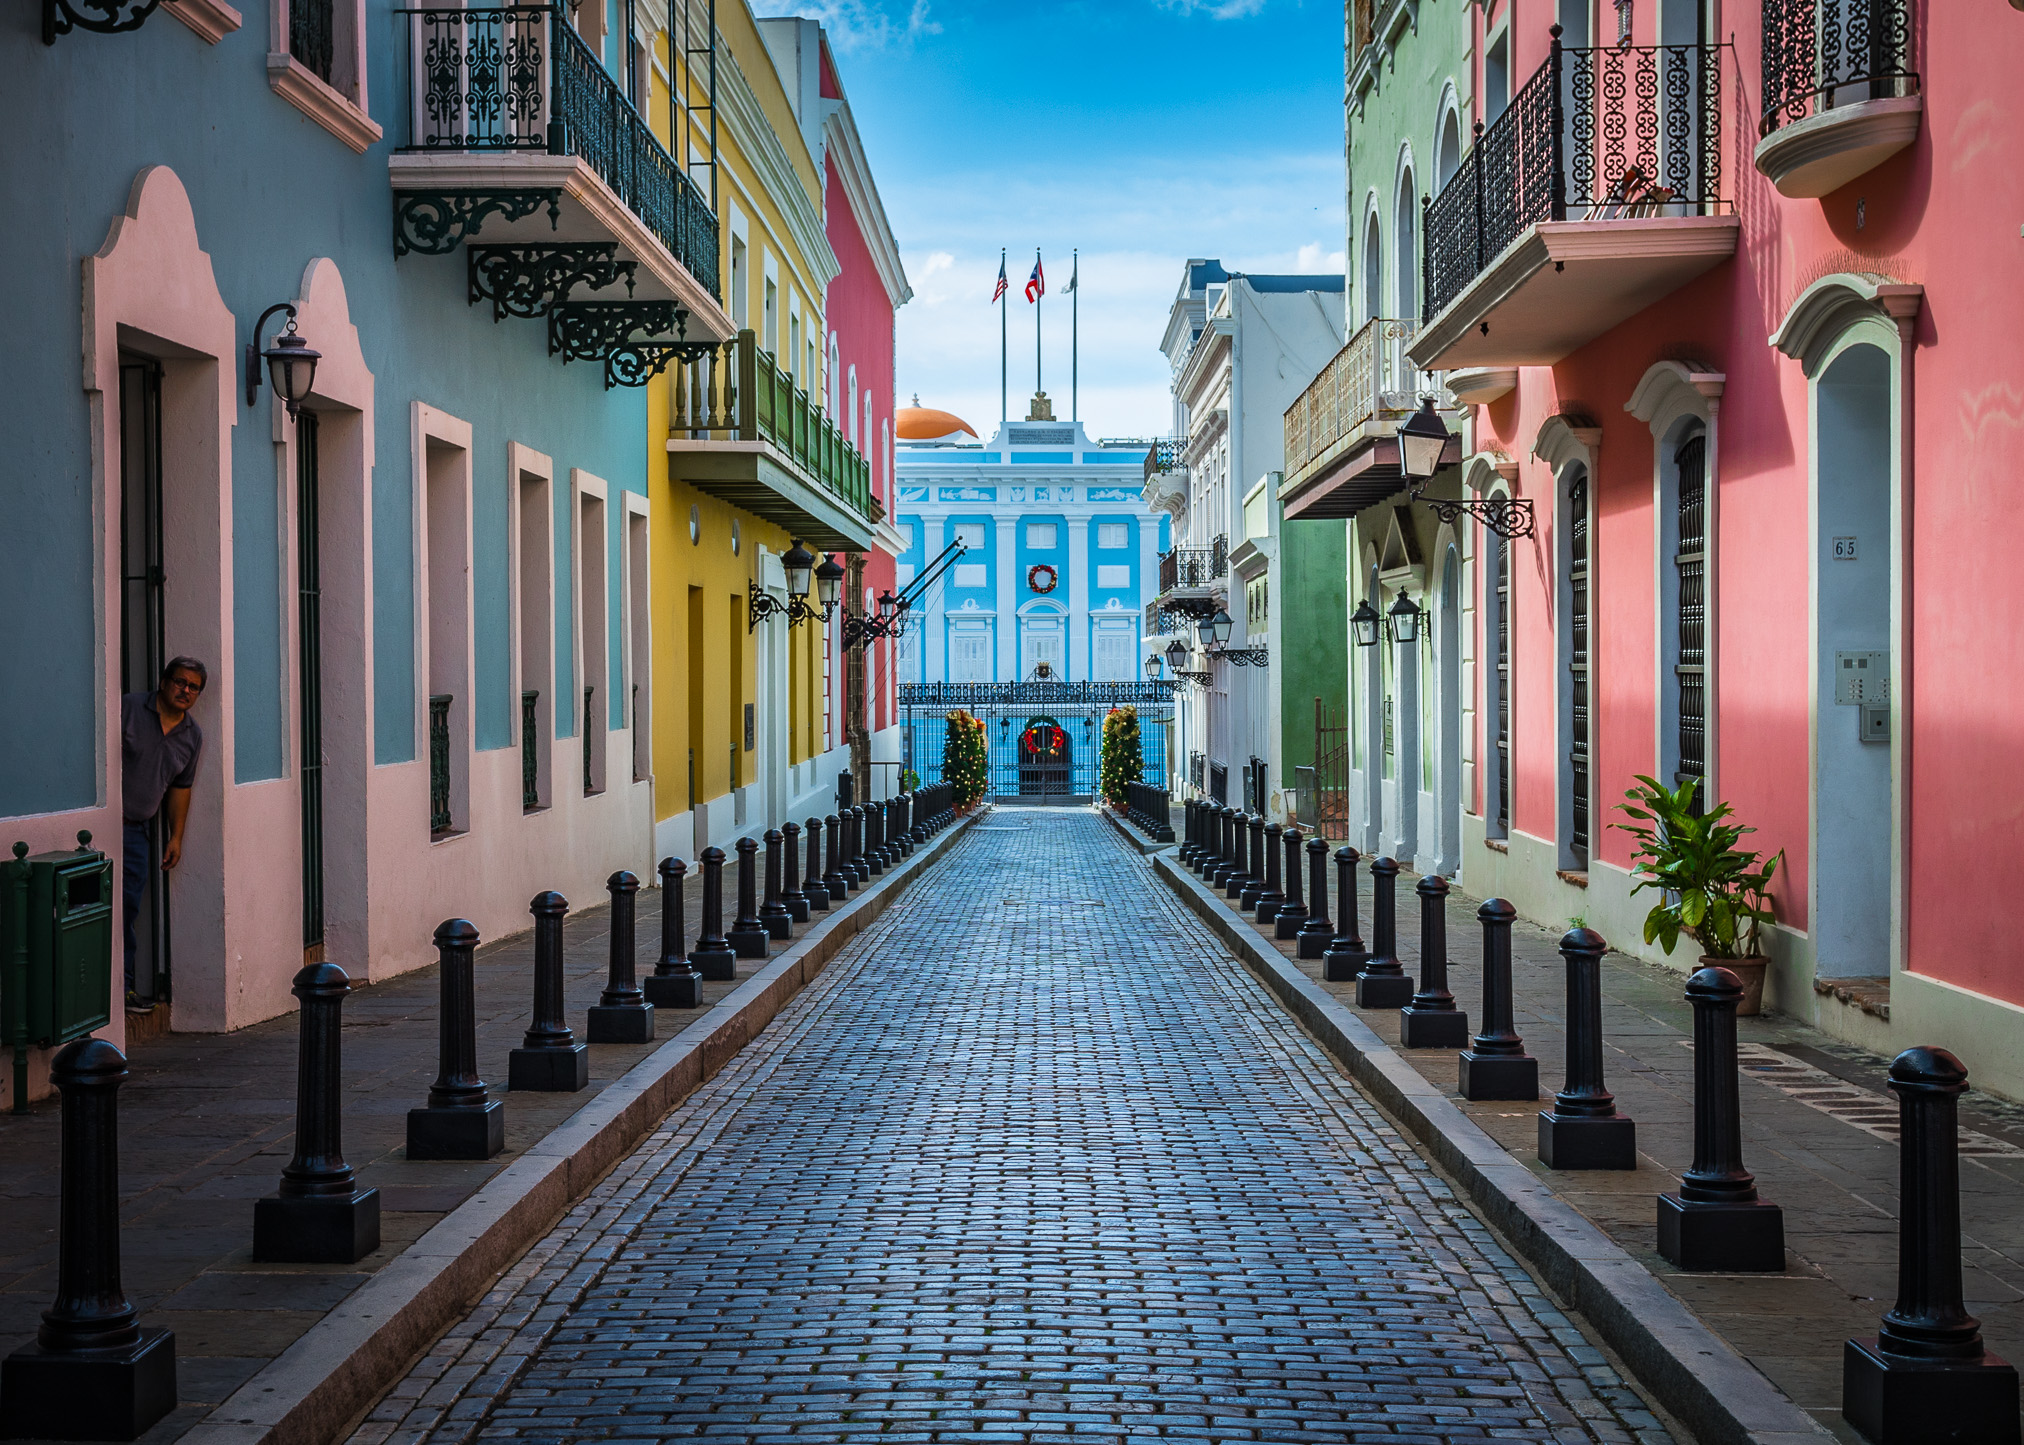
[1688, 1369]
[317, 1388]
[1132, 835]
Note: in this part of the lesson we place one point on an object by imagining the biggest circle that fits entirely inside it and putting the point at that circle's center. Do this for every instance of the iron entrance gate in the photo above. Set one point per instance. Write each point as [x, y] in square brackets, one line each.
[1041, 737]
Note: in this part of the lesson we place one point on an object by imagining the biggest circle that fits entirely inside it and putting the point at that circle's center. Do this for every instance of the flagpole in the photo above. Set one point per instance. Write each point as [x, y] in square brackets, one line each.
[1038, 296]
[1004, 305]
[1074, 335]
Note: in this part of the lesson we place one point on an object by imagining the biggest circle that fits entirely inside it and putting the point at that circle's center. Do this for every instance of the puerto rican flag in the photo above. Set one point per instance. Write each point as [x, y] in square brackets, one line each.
[1036, 284]
[1000, 289]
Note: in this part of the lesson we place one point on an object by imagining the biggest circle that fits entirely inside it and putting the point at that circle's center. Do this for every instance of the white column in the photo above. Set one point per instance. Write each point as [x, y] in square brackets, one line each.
[1007, 527]
[932, 632]
[1078, 660]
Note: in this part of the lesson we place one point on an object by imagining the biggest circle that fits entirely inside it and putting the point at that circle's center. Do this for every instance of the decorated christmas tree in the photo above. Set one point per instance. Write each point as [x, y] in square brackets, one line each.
[963, 760]
[1119, 762]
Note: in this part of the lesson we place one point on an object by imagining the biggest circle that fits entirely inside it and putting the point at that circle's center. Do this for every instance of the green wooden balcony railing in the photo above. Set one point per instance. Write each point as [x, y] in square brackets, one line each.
[739, 392]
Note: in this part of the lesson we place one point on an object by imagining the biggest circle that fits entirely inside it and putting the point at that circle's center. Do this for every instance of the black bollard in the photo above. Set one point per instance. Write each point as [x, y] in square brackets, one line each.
[1213, 842]
[874, 838]
[1926, 1376]
[712, 955]
[1383, 982]
[779, 923]
[854, 849]
[1238, 873]
[791, 895]
[1716, 1221]
[621, 1014]
[1254, 883]
[92, 1372]
[1270, 894]
[1583, 1130]
[1495, 1065]
[1163, 816]
[673, 984]
[1344, 957]
[836, 880]
[1229, 827]
[1286, 923]
[461, 1120]
[817, 891]
[319, 1215]
[1431, 1020]
[1316, 930]
[549, 1060]
[748, 933]
[922, 801]
[1185, 855]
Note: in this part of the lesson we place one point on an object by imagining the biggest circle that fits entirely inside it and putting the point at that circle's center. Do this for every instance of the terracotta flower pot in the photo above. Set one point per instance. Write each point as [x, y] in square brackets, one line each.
[1750, 973]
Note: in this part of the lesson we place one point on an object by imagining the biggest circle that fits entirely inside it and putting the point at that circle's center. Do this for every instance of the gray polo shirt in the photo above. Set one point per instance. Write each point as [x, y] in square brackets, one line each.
[154, 761]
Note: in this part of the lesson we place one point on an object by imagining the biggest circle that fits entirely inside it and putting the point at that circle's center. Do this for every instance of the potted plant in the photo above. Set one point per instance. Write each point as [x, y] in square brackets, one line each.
[1710, 887]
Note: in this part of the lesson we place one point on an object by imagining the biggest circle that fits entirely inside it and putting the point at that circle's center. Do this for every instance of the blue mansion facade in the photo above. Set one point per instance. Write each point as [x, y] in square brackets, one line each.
[1060, 554]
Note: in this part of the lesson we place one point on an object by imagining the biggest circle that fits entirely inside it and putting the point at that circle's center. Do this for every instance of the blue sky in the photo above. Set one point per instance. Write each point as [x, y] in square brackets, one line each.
[1141, 132]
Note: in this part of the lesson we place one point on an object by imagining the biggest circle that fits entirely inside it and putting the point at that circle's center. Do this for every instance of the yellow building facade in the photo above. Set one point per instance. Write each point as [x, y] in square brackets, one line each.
[744, 719]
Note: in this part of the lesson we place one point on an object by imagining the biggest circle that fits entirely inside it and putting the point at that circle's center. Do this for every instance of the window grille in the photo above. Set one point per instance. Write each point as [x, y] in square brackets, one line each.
[1503, 686]
[1577, 667]
[1691, 566]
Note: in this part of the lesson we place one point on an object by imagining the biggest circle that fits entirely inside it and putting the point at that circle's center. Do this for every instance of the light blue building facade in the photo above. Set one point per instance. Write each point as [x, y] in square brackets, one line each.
[1060, 556]
[397, 595]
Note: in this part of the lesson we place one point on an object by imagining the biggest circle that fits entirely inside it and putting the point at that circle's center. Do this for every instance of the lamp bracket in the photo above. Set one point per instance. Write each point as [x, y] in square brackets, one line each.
[1244, 656]
[434, 223]
[1506, 517]
[253, 347]
[760, 605]
[530, 281]
[1199, 679]
[859, 628]
[60, 17]
[617, 333]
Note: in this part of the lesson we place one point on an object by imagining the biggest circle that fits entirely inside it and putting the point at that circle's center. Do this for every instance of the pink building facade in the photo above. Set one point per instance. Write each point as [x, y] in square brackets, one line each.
[1755, 370]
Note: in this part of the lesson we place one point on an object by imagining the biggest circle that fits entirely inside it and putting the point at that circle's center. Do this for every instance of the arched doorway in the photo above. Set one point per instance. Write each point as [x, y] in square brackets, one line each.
[1046, 759]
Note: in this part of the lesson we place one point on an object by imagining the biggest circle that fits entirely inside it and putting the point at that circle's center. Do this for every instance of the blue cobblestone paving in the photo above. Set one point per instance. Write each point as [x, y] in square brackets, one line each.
[1033, 1161]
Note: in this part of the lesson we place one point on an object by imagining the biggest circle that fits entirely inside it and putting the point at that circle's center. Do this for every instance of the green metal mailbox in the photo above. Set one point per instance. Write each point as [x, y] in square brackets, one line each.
[56, 934]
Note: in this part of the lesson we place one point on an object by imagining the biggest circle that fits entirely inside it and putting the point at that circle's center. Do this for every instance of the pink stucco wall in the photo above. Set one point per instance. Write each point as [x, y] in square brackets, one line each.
[1943, 214]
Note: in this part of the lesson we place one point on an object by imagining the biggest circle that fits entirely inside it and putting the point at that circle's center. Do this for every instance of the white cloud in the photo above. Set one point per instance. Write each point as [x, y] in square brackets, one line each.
[857, 25]
[1215, 9]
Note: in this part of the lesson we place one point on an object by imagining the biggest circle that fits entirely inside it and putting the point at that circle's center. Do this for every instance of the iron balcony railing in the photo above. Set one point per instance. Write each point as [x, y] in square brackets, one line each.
[1194, 566]
[440, 819]
[1164, 455]
[518, 78]
[1369, 379]
[739, 393]
[1599, 134]
[1819, 54]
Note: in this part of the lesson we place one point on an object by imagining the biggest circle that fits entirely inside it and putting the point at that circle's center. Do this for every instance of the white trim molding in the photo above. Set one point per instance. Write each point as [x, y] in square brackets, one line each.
[1820, 313]
[1670, 390]
[1567, 437]
[213, 20]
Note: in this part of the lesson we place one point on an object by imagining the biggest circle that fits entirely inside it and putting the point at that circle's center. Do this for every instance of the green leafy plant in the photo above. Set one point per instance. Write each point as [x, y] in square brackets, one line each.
[963, 758]
[1119, 759]
[1710, 887]
[909, 780]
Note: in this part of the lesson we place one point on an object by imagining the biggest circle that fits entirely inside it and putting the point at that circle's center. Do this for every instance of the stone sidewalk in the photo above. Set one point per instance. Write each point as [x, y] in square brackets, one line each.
[206, 1124]
[1819, 1134]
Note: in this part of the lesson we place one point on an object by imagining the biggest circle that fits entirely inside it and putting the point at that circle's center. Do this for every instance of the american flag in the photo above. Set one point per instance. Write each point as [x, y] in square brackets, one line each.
[1000, 289]
[1036, 284]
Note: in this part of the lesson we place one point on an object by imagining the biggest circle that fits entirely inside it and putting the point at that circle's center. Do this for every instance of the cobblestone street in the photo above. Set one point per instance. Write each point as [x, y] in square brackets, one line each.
[1033, 1160]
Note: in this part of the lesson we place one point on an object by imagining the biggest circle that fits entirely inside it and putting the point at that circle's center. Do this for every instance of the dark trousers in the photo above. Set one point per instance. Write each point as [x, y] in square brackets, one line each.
[138, 856]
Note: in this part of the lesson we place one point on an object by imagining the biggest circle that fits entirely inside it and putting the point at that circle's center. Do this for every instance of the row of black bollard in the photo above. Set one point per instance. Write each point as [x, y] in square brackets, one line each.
[1151, 811]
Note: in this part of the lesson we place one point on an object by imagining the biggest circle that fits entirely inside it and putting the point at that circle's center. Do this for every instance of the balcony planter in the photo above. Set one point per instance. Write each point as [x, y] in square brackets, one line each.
[1821, 154]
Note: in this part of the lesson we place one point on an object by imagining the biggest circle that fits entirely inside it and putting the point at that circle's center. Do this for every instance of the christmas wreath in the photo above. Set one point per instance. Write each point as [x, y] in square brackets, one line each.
[1041, 577]
[1044, 742]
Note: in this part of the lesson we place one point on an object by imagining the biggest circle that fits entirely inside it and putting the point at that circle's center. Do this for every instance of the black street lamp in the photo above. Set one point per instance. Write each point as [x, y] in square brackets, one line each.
[799, 563]
[291, 362]
[1152, 667]
[828, 584]
[1217, 628]
[1177, 655]
[1364, 624]
[1405, 620]
[1422, 439]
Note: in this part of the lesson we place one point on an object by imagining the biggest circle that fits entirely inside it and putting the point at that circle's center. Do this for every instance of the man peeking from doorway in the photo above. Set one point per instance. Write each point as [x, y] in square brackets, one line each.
[160, 744]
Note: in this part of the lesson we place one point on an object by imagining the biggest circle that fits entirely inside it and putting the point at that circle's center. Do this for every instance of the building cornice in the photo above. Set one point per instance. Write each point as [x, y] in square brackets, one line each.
[844, 147]
[773, 169]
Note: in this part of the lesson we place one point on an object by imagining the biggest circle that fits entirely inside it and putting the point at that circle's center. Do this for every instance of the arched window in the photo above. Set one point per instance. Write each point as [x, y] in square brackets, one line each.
[1497, 598]
[1448, 152]
[831, 373]
[1373, 268]
[1407, 266]
[850, 415]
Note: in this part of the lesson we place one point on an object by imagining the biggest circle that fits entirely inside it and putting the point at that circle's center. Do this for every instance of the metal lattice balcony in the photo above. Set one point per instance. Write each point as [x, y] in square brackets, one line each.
[1839, 93]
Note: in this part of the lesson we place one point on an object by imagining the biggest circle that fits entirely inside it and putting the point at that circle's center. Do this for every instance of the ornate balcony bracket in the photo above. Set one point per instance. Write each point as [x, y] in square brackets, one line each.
[435, 223]
[112, 17]
[616, 333]
[1245, 656]
[1506, 517]
[531, 281]
[1199, 679]
[760, 605]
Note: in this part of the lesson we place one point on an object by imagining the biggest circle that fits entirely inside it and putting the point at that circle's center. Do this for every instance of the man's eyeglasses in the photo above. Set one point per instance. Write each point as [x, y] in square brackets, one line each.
[178, 684]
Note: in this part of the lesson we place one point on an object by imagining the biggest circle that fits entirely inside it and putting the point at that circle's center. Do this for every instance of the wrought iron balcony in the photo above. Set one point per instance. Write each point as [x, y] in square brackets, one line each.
[736, 405]
[1839, 93]
[1164, 455]
[1196, 568]
[1370, 381]
[1605, 172]
[515, 84]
